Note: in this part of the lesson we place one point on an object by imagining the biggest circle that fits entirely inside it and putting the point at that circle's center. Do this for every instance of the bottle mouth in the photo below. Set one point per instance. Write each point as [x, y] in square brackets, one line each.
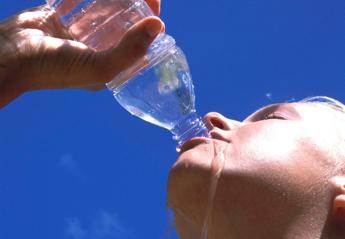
[190, 127]
[157, 52]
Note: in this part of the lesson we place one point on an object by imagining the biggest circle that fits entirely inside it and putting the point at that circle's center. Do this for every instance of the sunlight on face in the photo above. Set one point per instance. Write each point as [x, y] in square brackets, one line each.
[273, 160]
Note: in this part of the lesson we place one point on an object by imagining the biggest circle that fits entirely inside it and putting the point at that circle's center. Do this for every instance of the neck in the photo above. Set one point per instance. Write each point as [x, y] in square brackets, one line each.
[292, 224]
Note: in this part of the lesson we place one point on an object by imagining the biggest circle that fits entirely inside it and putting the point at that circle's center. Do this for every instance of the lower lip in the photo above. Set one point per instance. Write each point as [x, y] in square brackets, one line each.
[193, 143]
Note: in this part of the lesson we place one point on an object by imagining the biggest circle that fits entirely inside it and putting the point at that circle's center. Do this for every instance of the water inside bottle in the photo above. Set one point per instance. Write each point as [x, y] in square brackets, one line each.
[161, 94]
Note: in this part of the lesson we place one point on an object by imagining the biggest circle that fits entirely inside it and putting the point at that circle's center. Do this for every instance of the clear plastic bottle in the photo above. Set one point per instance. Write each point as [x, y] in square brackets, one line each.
[158, 88]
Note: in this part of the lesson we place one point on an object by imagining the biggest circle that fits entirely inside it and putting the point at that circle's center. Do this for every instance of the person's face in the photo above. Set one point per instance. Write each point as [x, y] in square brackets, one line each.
[275, 161]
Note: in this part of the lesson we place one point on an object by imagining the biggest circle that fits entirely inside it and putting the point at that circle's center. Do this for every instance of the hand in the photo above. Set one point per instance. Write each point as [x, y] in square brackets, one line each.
[36, 53]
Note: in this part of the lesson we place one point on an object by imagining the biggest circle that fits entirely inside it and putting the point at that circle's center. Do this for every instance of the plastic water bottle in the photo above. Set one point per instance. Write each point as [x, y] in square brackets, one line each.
[158, 88]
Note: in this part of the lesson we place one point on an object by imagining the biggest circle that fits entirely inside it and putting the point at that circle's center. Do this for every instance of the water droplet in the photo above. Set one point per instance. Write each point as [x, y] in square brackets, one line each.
[269, 96]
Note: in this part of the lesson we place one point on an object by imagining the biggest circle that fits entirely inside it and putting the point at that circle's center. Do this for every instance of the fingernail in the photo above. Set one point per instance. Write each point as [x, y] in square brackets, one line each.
[153, 28]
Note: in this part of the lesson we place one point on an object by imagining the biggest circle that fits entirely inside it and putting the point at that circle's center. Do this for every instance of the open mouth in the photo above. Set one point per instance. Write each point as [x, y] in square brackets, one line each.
[193, 143]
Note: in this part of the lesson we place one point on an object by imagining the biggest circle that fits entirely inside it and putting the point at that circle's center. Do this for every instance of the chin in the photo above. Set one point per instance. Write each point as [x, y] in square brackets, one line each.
[189, 180]
[198, 156]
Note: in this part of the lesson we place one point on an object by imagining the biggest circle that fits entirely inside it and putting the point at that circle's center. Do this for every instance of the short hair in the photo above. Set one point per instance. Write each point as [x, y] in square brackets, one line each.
[325, 101]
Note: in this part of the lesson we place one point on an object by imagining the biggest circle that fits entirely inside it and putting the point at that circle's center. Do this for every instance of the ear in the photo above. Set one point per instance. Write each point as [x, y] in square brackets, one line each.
[339, 201]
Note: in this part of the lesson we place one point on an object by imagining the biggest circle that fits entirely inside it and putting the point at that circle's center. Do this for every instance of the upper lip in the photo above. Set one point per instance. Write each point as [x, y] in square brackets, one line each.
[192, 143]
[215, 134]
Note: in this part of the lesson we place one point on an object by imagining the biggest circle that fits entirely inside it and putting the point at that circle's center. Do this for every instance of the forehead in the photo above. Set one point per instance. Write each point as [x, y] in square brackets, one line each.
[300, 110]
[316, 124]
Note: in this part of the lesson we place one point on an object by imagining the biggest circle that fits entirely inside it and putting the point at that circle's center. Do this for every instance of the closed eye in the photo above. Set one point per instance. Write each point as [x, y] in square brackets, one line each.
[275, 112]
[275, 115]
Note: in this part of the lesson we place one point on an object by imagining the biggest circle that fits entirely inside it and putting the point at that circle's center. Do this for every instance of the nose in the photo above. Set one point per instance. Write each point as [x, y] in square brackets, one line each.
[216, 120]
[220, 126]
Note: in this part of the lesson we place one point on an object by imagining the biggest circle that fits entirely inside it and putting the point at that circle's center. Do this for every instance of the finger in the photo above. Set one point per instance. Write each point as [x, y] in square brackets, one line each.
[94, 87]
[136, 51]
[66, 64]
[132, 47]
[155, 5]
[44, 19]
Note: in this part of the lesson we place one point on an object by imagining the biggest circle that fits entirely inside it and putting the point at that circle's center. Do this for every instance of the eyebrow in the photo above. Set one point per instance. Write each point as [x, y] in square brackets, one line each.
[257, 115]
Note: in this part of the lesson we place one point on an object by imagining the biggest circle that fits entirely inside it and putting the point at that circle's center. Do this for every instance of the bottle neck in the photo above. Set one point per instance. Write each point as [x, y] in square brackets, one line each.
[190, 127]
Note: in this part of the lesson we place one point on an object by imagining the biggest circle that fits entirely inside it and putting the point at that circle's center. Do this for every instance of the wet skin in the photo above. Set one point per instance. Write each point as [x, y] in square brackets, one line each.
[275, 163]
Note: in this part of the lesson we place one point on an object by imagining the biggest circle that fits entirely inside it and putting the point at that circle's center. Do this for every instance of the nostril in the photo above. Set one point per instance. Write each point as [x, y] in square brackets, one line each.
[215, 120]
[219, 123]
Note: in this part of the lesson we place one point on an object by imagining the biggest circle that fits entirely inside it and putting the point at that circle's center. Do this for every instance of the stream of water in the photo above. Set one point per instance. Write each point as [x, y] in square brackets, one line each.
[217, 167]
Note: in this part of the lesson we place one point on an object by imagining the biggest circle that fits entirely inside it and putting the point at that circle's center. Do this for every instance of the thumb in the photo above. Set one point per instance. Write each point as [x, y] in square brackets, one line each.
[59, 63]
[131, 48]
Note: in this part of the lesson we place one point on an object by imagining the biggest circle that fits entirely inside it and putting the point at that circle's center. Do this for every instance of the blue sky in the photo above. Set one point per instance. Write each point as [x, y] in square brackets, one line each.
[75, 165]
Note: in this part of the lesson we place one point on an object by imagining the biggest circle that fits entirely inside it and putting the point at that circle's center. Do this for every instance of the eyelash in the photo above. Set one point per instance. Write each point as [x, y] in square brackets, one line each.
[274, 116]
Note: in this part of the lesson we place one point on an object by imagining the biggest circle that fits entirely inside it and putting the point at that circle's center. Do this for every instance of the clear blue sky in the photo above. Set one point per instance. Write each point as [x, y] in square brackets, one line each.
[75, 165]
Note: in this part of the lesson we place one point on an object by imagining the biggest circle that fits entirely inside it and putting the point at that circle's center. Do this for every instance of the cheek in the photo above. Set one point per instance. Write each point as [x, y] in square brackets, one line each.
[279, 159]
[273, 146]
